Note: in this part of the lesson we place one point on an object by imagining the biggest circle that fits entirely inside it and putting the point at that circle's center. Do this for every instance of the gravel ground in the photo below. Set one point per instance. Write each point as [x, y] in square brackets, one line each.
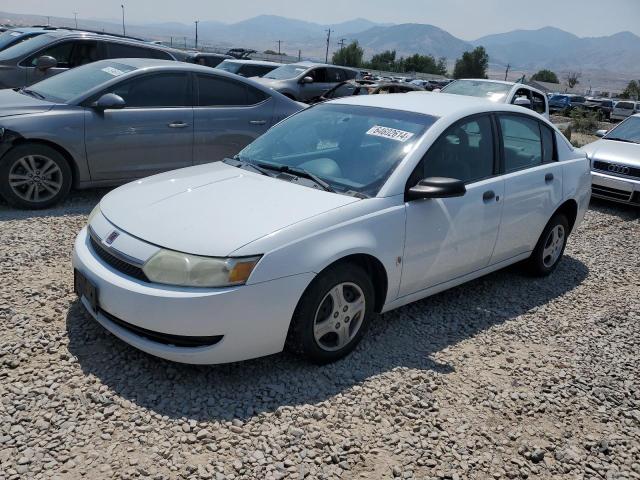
[506, 377]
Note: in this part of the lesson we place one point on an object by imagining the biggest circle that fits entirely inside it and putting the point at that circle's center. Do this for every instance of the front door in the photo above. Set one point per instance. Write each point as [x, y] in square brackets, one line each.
[153, 133]
[318, 87]
[450, 237]
[229, 115]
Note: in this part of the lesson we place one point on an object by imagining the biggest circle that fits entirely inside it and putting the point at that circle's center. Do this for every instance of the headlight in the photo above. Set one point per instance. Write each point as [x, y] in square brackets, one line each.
[93, 213]
[182, 269]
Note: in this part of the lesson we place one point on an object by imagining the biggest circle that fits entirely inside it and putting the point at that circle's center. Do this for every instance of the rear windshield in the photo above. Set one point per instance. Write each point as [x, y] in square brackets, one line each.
[352, 148]
[229, 66]
[73, 83]
[27, 47]
[625, 105]
[286, 72]
[559, 99]
[492, 90]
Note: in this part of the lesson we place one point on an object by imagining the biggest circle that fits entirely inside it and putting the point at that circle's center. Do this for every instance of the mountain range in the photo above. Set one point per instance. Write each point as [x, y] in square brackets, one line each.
[616, 55]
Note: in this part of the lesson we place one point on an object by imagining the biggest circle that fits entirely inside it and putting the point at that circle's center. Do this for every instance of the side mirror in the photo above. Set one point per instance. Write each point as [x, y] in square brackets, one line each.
[523, 102]
[45, 62]
[601, 133]
[437, 187]
[306, 80]
[109, 101]
[436, 90]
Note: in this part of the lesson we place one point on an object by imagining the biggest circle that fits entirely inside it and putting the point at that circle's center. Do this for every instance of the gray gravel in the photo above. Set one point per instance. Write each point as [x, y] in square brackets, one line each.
[506, 377]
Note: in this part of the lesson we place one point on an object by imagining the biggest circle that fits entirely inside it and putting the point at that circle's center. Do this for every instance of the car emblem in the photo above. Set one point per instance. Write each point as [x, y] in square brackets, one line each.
[622, 170]
[111, 238]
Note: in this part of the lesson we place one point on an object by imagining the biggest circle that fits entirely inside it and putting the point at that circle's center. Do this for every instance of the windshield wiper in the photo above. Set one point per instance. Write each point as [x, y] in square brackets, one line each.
[32, 93]
[626, 140]
[299, 172]
[236, 162]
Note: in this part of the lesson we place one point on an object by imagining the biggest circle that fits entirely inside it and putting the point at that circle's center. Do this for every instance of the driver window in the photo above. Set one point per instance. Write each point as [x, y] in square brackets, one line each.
[60, 51]
[319, 75]
[539, 105]
[465, 151]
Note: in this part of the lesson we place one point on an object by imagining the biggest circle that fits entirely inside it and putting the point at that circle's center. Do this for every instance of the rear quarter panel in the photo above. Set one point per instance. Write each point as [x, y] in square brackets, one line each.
[576, 175]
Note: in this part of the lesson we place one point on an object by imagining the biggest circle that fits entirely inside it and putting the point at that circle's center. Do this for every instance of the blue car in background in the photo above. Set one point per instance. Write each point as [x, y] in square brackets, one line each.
[18, 35]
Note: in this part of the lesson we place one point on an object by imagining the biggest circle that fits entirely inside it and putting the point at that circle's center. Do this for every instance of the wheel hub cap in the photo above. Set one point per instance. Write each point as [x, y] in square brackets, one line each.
[344, 302]
[553, 246]
[35, 178]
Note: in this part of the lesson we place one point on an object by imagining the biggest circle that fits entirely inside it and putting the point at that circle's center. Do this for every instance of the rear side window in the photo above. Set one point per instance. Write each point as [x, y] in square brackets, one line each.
[222, 92]
[350, 74]
[521, 141]
[465, 151]
[159, 90]
[253, 70]
[124, 50]
[336, 75]
[548, 144]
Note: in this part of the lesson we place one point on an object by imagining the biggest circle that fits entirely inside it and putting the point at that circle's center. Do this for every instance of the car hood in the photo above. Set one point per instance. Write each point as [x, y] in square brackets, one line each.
[614, 152]
[212, 209]
[14, 103]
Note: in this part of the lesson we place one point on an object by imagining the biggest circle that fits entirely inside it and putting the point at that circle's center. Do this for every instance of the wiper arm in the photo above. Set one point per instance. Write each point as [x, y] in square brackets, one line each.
[243, 163]
[32, 93]
[300, 172]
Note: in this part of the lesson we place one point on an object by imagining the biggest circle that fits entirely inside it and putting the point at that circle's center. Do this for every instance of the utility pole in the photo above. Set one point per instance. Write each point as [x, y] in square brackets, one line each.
[124, 31]
[299, 55]
[171, 41]
[507, 72]
[48, 21]
[341, 43]
[185, 42]
[75, 14]
[279, 45]
[326, 58]
[196, 22]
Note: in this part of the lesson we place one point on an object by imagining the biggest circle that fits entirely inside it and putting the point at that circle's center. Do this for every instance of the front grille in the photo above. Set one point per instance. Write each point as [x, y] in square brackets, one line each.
[116, 263]
[612, 193]
[604, 167]
[165, 338]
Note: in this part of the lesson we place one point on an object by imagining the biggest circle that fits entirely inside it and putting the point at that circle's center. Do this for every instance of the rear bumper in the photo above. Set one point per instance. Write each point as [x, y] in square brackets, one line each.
[617, 189]
[189, 325]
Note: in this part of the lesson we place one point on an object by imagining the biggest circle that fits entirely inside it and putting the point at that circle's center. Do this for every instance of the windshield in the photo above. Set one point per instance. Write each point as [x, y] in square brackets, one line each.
[286, 72]
[352, 148]
[494, 91]
[11, 36]
[72, 83]
[628, 131]
[229, 66]
[27, 47]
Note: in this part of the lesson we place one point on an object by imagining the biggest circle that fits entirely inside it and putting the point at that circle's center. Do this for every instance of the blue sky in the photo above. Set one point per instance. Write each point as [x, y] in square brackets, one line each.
[467, 19]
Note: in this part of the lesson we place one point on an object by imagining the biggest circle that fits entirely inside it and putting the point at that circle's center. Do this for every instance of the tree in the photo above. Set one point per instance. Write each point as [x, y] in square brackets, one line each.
[545, 76]
[423, 64]
[632, 91]
[572, 79]
[472, 64]
[349, 56]
[383, 61]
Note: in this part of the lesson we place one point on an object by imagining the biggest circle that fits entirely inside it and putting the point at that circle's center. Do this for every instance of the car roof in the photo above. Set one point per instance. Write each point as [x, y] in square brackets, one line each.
[62, 33]
[252, 62]
[488, 80]
[429, 103]
[308, 64]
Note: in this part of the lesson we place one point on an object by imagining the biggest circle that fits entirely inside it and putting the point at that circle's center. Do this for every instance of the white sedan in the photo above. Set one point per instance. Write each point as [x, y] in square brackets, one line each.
[348, 208]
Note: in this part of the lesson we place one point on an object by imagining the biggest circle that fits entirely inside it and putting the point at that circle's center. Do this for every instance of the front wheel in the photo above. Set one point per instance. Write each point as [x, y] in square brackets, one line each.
[34, 176]
[550, 247]
[332, 314]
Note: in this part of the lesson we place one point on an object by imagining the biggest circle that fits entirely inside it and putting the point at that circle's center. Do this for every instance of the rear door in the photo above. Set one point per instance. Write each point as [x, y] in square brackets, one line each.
[229, 114]
[152, 134]
[533, 183]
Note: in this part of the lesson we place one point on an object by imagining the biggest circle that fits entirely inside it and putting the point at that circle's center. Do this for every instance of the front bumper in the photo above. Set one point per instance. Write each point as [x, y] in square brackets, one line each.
[618, 189]
[252, 320]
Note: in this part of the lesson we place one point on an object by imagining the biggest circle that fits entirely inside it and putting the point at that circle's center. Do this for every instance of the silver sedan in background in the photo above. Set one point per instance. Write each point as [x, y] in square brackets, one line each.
[113, 121]
[615, 162]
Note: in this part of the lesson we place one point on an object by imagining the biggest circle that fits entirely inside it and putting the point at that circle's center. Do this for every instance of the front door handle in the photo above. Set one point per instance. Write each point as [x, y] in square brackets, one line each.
[178, 125]
[488, 196]
[257, 122]
[548, 177]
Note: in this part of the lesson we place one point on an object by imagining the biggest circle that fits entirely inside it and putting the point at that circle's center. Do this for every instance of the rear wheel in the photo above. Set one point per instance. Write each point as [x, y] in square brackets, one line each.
[34, 176]
[550, 247]
[332, 314]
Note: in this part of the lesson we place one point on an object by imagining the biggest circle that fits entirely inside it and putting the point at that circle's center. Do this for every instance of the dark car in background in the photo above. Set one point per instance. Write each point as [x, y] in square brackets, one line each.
[113, 121]
[248, 68]
[603, 107]
[565, 104]
[57, 51]
[208, 59]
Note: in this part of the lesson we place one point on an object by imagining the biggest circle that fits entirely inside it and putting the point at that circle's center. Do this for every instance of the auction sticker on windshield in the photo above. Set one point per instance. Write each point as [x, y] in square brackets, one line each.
[390, 133]
[112, 71]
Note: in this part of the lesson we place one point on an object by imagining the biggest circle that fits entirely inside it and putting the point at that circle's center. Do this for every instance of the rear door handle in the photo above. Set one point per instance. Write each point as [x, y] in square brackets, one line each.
[178, 125]
[548, 177]
[488, 196]
[257, 122]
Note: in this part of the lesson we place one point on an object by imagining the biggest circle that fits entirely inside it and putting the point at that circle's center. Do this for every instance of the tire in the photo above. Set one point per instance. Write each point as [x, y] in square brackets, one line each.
[34, 176]
[550, 247]
[324, 341]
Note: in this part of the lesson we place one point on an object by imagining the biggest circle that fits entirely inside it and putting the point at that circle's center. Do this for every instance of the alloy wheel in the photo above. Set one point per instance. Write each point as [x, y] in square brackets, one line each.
[339, 316]
[35, 178]
[553, 246]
